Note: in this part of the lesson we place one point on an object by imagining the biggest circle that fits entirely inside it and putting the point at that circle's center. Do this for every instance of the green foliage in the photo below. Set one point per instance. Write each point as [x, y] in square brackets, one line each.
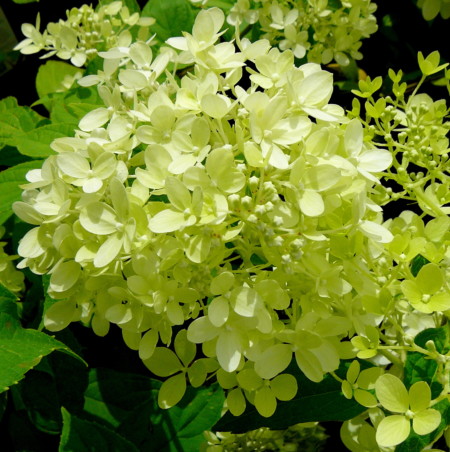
[79, 434]
[10, 179]
[22, 349]
[172, 18]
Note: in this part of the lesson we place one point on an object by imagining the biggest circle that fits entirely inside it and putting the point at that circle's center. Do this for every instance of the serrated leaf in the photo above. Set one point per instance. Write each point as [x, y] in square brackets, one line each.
[36, 142]
[80, 434]
[10, 191]
[22, 349]
[172, 18]
[314, 402]
[418, 368]
[15, 120]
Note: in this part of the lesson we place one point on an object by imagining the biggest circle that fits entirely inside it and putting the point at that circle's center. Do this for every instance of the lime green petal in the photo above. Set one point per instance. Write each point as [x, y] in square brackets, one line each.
[426, 421]
[347, 389]
[249, 380]
[236, 402]
[391, 393]
[228, 350]
[184, 349]
[430, 278]
[197, 373]
[273, 361]
[284, 387]
[392, 430]
[148, 343]
[368, 377]
[172, 391]
[265, 401]
[167, 221]
[365, 398]
[419, 396]
[64, 276]
[218, 311]
[353, 371]
[59, 315]
[163, 362]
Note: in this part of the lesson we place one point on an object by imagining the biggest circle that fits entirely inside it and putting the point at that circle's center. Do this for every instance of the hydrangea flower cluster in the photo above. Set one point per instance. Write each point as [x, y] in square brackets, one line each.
[84, 33]
[200, 199]
[229, 222]
[321, 31]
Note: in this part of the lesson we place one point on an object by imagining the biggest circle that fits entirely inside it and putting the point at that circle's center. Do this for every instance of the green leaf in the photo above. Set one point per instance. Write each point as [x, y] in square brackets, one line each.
[15, 120]
[418, 368]
[417, 443]
[10, 156]
[440, 337]
[53, 77]
[134, 412]
[10, 179]
[417, 263]
[79, 434]
[172, 18]
[22, 2]
[22, 349]
[36, 142]
[8, 303]
[39, 395]
[314, 402]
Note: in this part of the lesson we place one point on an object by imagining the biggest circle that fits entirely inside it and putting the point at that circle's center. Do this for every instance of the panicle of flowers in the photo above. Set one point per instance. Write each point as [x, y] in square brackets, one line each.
[85, 32]
[238, 207]
[320, 31]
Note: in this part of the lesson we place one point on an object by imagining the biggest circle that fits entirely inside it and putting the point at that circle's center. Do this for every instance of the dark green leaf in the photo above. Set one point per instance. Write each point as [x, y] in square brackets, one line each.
[79, 434]
[10, 191]
[440, 337]
[128, 403]
[10, 156]
[417, 263]
[22, 349]
[172, 18]
[314, 402]
[40, 398]
[8, 303]
[418, 368]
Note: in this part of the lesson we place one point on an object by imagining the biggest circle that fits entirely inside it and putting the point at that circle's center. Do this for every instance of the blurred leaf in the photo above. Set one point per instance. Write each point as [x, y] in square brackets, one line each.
[53, 76]
[314, 402]
[10, 179]
[22, 349]
[79, 434]
[36, 142]
[172, 18]
[15, 120]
